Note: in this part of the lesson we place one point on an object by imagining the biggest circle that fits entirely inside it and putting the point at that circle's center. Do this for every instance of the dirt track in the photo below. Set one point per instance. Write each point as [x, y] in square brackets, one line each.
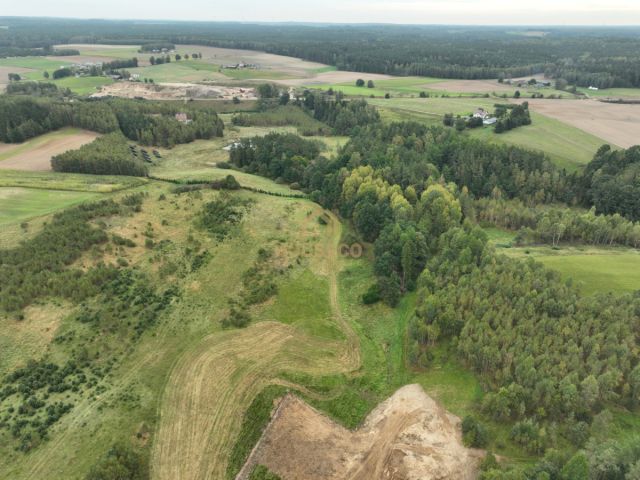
[618, 124]
[407, 437]
[212, 385]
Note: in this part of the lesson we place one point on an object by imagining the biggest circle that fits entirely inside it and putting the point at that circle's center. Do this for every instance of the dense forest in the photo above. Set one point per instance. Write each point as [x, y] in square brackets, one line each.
[149, 123]
[602, 57]
[108, 155]
[551, 360]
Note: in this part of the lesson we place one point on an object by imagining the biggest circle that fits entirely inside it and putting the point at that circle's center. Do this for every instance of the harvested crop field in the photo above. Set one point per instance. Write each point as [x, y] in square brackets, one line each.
[35, 154]
[470, 86]
[335, 77]
[615, 123]
[174, 91]
[224, 56]
[408, 436]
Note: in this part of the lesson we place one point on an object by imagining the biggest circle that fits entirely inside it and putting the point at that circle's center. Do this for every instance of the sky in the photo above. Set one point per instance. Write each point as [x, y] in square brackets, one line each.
[450, 12]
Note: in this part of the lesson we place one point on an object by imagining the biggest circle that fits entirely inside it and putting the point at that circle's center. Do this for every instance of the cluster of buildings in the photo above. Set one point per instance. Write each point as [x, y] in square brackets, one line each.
[240, 66]
[487, 118]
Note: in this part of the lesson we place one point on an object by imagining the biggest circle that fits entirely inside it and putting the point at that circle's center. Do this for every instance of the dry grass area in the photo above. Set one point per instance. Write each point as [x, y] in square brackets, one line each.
[407, 437]
[35, 154]
[174, 91]
[617, 124]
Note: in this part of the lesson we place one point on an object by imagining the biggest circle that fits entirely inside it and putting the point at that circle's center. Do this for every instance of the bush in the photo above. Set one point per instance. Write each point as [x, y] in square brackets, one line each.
[372, 295]
[474, 434]
[120, 463]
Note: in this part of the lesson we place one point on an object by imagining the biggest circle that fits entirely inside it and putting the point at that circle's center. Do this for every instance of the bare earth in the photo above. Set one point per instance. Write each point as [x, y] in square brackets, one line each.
[618, 124]
[407, 437]
[38, 158]
[174, 91]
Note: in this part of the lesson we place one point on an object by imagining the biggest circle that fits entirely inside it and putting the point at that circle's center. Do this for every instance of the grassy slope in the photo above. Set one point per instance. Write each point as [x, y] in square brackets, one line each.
[20, 204]
[567, 146]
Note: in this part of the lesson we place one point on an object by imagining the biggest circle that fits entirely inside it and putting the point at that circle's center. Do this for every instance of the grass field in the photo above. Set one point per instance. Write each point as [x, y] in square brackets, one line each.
[612, 92]
[569, 147]
[593, 270]
[83, 85]
[68, 181]
[20, 204]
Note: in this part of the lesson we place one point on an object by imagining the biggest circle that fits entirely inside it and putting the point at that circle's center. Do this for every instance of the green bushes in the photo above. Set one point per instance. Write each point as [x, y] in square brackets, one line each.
[260, 472]
[221, 215]
[108, 155]
[474, 434]
[38, 267]
[121, 462]
[255, 420]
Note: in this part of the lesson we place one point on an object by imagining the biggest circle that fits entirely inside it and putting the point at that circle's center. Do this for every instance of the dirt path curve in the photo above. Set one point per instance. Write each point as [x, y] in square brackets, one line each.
[212, 385]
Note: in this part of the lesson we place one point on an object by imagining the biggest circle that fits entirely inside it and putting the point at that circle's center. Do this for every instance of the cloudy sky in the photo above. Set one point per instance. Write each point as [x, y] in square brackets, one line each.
[493, 12]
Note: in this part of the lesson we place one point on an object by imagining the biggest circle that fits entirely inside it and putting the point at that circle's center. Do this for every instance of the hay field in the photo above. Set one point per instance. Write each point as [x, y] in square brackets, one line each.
[35, 154]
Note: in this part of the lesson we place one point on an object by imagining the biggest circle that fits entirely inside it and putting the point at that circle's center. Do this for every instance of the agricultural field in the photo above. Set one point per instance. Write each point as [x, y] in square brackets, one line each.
[35, 154]
[568, 146]
[593, 269]
[21, 204]
[616, 124]
[615, 93]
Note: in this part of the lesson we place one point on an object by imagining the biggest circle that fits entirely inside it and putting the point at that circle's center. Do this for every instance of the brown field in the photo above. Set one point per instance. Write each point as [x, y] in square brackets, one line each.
[470, 86]
[335, 77]
[5, 71]
[35, 154]
[218, 56]
[617, 124]
[408, 436]
[174, 91]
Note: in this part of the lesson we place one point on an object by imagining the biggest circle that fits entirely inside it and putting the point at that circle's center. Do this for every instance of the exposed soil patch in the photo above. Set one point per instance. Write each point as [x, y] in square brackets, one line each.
[174, 91]
[5, 71]
[407, 437]
[35, 155]
[615, 123]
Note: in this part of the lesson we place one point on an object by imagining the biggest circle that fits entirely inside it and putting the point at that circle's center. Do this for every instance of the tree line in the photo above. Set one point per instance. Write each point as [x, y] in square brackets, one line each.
[108, 155]
[149, 123]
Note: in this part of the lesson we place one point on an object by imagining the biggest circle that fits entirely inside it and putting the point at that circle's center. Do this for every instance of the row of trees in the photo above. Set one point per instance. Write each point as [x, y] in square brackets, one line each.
[108, 155]
[150, 123]
[554, 225]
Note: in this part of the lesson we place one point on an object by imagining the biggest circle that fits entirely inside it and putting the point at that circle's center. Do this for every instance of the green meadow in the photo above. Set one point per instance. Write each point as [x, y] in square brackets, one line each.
[20, 204]
[569, 147]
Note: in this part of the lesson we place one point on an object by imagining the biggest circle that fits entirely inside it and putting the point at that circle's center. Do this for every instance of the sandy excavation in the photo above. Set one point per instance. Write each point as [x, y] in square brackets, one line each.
[407, 437]
[174, 91]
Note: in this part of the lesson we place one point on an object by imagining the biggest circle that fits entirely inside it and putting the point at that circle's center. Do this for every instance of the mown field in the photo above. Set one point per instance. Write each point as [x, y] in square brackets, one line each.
[20, 204]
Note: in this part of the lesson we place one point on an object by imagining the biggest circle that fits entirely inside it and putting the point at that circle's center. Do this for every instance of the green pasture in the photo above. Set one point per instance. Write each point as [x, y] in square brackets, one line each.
[20, 204]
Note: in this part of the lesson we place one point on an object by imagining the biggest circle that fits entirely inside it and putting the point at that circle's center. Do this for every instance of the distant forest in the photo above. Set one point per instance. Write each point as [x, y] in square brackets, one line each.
[601, 57]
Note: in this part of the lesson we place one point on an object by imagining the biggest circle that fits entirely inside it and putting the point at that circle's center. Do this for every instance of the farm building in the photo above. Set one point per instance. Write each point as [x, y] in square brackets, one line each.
[183, 118]
[481, 113]
[489, 121]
